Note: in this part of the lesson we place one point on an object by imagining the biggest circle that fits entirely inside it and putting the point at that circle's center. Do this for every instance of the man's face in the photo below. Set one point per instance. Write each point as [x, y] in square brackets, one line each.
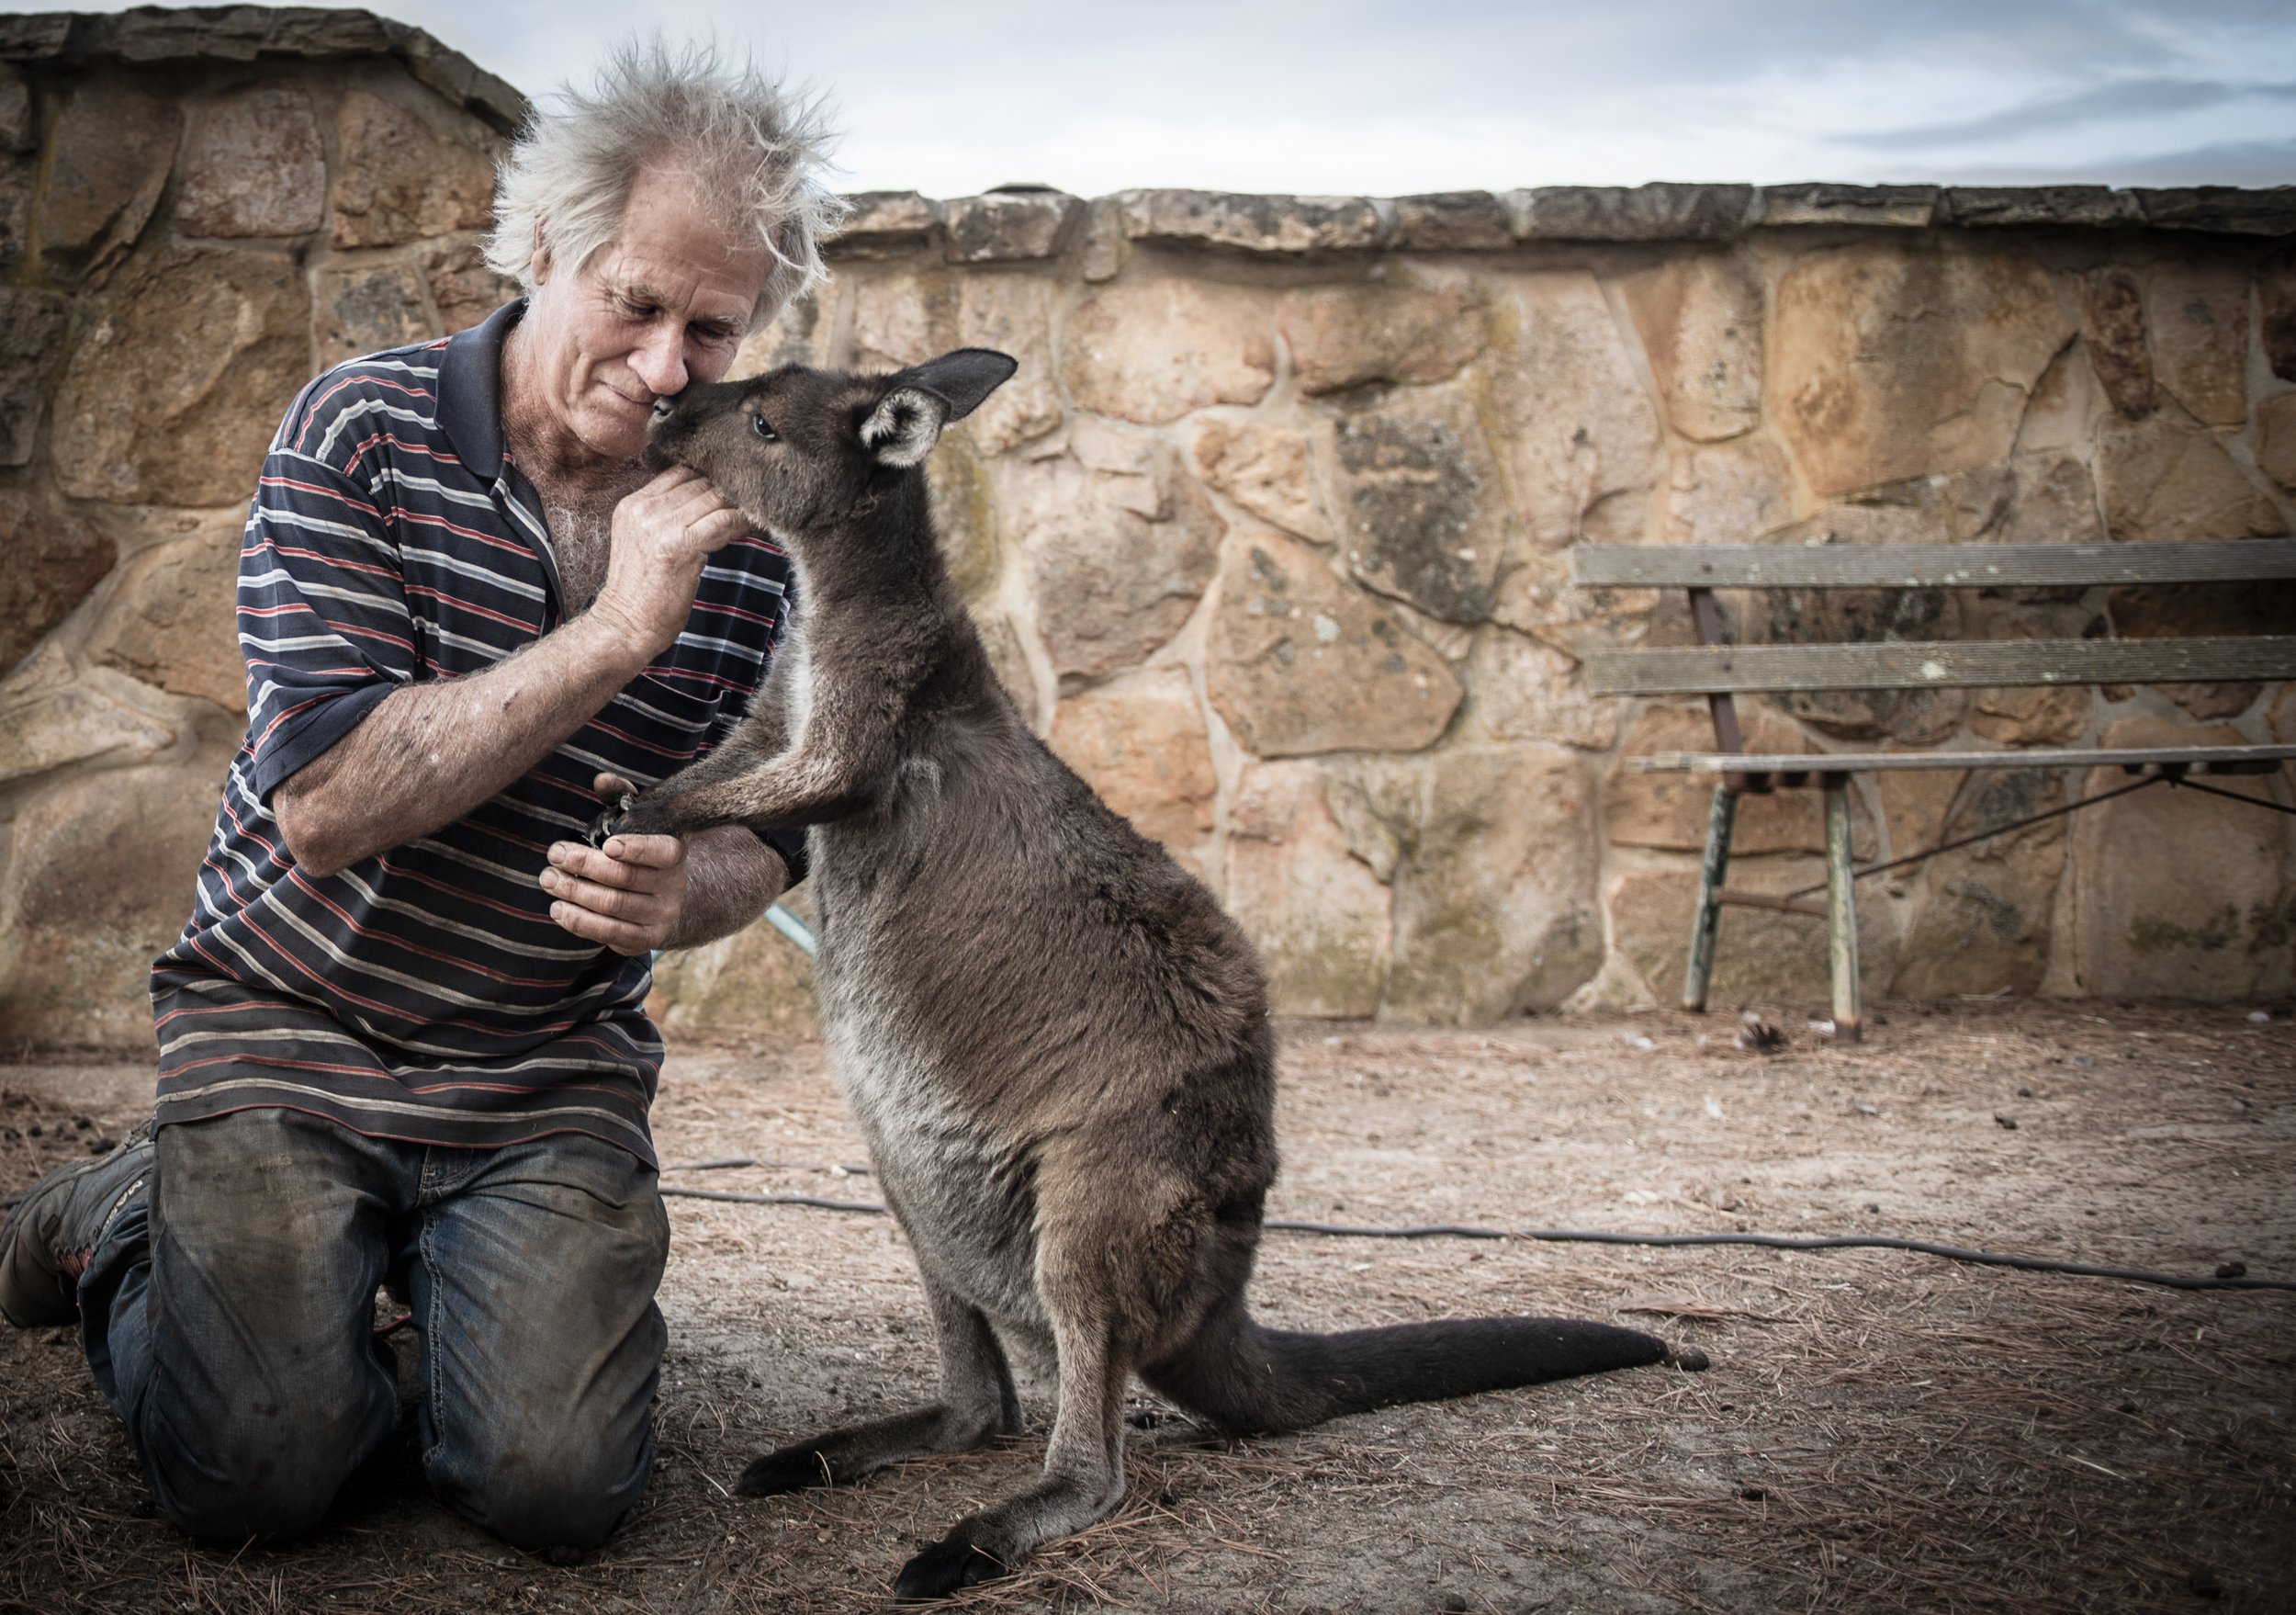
[665, 302]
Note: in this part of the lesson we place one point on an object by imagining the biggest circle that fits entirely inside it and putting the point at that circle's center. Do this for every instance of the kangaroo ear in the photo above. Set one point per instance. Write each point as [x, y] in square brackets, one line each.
[963, 378]
[901, 430]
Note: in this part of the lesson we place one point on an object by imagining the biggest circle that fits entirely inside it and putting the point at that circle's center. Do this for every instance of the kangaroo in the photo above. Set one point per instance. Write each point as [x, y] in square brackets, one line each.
[1054, 1041]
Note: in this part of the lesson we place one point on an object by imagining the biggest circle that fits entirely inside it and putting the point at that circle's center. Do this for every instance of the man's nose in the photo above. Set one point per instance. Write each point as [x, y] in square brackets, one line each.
[661, 361]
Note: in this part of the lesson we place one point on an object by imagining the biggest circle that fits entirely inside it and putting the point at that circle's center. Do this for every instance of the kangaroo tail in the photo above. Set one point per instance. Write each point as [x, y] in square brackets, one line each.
[1252, 1380]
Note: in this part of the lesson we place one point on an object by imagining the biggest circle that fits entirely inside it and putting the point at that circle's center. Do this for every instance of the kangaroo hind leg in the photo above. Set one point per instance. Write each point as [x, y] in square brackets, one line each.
[978, 1404]
[1084, 1463]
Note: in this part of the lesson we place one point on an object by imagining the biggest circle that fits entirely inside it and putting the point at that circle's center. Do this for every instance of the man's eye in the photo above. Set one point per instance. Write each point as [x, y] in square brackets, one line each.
[764, 429]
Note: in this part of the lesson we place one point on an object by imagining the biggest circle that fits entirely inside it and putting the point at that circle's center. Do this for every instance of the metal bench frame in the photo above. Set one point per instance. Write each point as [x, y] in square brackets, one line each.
[1717, 669]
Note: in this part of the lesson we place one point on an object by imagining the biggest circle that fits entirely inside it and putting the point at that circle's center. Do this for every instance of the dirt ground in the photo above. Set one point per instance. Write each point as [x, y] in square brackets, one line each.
[1880, 1431]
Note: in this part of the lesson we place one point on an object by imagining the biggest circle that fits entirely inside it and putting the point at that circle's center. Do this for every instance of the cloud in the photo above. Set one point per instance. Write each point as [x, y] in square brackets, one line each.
[2249, 163]
[2130, 99]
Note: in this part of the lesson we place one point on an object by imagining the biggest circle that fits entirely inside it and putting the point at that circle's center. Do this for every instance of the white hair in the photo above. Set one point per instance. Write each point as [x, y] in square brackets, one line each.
[756, 155]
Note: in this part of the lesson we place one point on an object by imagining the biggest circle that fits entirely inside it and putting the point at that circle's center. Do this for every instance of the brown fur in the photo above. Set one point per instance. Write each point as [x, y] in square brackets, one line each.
[1055, 1043]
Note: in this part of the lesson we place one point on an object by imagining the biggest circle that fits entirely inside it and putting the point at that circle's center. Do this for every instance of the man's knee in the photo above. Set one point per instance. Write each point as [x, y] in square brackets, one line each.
[545, 1492]
[241, 1492]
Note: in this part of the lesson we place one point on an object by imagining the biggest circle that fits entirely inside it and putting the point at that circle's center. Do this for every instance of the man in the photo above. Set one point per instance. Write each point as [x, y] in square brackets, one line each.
[402, 1036]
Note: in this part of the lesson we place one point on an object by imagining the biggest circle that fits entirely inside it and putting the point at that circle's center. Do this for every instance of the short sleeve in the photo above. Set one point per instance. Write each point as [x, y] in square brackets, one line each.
[323, 624]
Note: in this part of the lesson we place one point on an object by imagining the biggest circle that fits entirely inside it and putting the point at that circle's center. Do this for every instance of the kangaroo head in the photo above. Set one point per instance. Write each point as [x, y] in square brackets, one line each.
[798, 450]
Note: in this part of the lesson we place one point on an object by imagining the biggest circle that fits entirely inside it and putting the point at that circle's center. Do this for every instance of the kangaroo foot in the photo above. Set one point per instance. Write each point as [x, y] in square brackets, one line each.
[944, 1567]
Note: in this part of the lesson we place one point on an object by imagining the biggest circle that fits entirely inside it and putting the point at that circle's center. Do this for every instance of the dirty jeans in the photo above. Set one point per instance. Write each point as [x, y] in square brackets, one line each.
[229, 1318]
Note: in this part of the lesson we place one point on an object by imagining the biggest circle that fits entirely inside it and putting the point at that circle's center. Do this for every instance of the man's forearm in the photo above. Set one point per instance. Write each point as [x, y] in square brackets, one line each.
[431, 753]
[731, 877]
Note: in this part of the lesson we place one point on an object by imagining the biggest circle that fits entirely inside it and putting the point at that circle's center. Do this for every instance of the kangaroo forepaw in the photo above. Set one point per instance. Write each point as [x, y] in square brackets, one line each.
[785, 1469]
[944, 1567]
[609, 820]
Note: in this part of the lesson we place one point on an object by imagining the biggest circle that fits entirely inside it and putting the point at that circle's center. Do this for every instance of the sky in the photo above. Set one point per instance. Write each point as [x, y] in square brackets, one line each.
[1374, 98]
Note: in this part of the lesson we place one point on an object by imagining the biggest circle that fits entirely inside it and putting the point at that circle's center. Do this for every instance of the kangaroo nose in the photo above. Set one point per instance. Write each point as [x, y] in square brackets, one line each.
[662, 406]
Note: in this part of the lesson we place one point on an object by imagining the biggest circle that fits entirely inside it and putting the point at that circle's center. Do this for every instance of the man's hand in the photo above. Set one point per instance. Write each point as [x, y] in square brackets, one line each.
[627, 893]
[661, 536]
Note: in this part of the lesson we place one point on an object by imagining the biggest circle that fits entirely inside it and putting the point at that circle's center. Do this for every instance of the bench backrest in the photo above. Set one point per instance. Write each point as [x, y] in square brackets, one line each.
[1714, 667]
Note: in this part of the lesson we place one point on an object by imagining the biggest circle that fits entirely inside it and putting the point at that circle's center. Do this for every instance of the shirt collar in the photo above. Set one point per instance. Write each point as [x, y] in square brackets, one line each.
[471, 389]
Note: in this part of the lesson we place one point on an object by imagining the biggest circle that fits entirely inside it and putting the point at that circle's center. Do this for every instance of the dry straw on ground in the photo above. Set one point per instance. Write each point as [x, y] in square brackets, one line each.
[1879, 1432]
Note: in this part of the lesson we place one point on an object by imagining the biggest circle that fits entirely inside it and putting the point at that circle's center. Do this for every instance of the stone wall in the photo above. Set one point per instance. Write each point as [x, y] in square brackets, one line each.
[1270, 534]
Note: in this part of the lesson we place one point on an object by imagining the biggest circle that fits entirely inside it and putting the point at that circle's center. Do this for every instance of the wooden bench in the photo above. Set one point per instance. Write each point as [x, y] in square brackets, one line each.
[1719, 670]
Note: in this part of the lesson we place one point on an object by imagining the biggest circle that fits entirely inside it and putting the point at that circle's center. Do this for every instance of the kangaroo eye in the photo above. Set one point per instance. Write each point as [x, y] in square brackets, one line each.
[764, 429]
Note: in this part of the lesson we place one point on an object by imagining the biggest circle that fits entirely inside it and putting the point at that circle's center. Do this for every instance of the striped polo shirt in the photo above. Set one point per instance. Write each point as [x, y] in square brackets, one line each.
[424, 993]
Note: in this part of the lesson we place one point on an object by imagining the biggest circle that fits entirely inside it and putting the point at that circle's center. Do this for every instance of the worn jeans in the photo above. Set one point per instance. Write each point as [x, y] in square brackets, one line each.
[229, 1318]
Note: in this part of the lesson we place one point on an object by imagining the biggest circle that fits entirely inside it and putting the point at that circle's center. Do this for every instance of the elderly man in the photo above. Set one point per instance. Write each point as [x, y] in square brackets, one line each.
[403, 1036]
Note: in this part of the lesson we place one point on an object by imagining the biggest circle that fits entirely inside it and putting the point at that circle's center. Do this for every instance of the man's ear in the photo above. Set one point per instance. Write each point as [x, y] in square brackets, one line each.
[901, 430]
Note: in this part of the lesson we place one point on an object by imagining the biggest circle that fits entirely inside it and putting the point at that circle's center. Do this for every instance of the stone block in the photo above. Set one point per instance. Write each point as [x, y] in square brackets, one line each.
[1424, 513]
[1345, 336]
[2220, 209]
[2037, 716]
[1869, 385]
[462, 289]
[2199, 338]
[1298, 661]
[255, 167]
[16, 133]
[884, 224]
[1117, 543]
[1496, 907]
[1105, 246]
[1268, 471]
[19, 176]
[799, 334]
[1645, 212]
[31, 340]
[2062, 414]
[1153, 350]
[54, 559]
[1141, 744]
[1011, 225]
[2051, 499]
[170, 621]
[1011, 313]
[367, 308]
[2275, 440]
[1915, 802]
[100, 878]
[2113, 328]
[181, 379]
[1451, 221]
[2182, 895]
[2275, 310]
[109, 159]
[1730, 492]
[1322, 921]
[964, 516]
[2166, 477]
[1668, 811]
[1762, 956]
[1577, 429]
[1523, 689]
[1892, 207]
[1701, 324]
[397, 178]
[1981, 206]
[1002, 642]
[904, 319]
[1251, 224]
[755, 981]
[52, 717]
[2284, 717]
[1539, 598]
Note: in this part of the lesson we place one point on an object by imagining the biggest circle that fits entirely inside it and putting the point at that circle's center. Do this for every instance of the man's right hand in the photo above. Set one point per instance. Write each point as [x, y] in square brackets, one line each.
[661, 536]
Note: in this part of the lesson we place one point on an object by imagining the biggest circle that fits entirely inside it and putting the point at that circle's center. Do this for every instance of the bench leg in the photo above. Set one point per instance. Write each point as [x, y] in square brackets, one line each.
[1720, 817]
[1841, 912]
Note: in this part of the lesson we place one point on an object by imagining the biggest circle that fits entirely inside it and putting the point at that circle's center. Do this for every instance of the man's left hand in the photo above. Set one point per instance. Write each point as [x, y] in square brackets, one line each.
[627, 893]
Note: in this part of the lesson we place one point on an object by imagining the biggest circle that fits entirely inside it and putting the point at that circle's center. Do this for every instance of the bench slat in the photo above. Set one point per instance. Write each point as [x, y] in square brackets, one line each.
[2225, 759]
[1929, 566]
[1937, 665]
